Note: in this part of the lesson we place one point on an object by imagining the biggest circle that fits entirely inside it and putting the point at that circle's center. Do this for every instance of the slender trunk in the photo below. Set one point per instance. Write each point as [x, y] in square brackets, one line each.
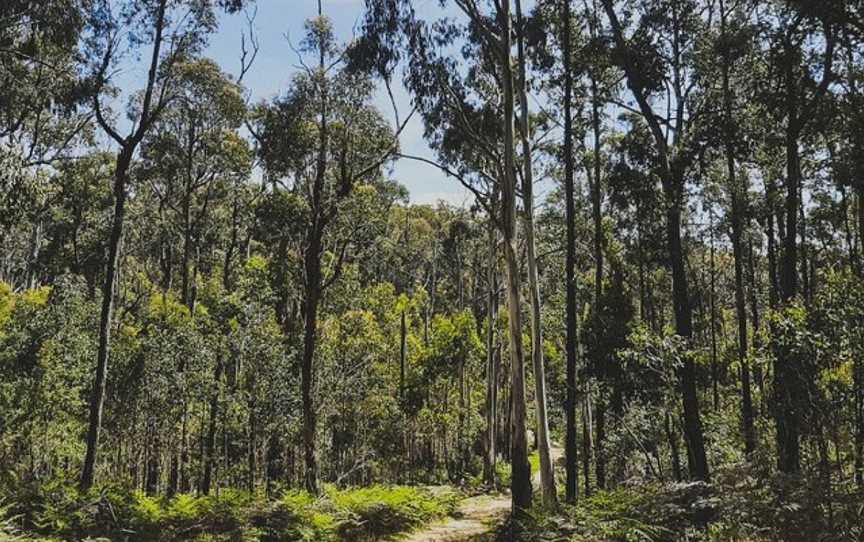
[859, 422]
[491, 368]
[712, 299]
[571, 461]
[758, 377]
[597, 221]
[741, 317]
[232, 247]
[673, 448]
[33, 256]
[403, 353]
[600, 441]
[312, 281]
[738, 191]
[187, 248]
[684, 328]
[210, 441]
[859, 365]
[151, 478]
[673, 170]
[774, 287]
[544, 445]
[787, 415]
[587, 444]
[860, 213]
[312, 298]
[851, 246]
[806, 260]
[112, 268]
[460, 434]
[520, 480]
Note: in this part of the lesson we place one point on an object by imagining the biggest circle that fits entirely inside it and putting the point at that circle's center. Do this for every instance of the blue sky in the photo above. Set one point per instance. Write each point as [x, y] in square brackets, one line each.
[276, 21]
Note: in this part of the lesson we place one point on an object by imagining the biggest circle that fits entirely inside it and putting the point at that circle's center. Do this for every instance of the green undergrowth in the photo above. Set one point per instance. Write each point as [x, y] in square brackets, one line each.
[740, 508]
[362, 514]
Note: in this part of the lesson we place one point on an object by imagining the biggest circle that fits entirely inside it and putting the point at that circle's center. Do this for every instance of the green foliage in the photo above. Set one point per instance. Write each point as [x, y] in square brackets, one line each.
[372, 513]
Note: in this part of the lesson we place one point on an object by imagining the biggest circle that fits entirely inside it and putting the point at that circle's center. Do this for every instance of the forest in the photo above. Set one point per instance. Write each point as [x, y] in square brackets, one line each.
[225, 318]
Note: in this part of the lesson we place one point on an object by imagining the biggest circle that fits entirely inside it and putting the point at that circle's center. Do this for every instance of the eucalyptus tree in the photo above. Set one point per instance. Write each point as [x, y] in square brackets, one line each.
[723, 74]
[190, 160]
[848, 171]
[469, 112]
[602, 85]
[547, 38]
[547, 475]
[802, 39]
[192, 156]
[655, 46]
[43, 119]
[321, 142]
[173, 31]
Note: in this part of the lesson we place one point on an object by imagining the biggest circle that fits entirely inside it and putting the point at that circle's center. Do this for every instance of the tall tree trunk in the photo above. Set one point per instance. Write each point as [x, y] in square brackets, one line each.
[673, 175]
[587, 444]
[403, 352]
[859, 422]
[851, 246]
[738, 191]
[673, 448]
[210, 441]
[787, 415]
[712, 301]
[684, 328]
[520, 480]
[491, 365]
[187, 246]
[600, 440]
[571, 461]
[252, 444]
[741, 317]
[32, 279]
[151, 475]
[310, 337]
[313, 280]
[544, 445]
[597, 221]
[97, 400]
[859, 363]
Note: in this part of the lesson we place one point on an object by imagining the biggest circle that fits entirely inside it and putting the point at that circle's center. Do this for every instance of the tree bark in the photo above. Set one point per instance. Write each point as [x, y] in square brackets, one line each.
[520, 480]
[97, 400]
[712, 302]
[587, 444]
[859, 364]
[210, 441]
[491, 366]
[403, 352]
[544, 445]
[672, 172]
[738, 192]
[571, 462]
[597, 222]
[310, 336]
[787, 415]
[684, 328]
[741, 316]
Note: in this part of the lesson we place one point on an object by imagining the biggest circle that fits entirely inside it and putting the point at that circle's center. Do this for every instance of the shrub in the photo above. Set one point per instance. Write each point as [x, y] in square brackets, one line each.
[378, 511]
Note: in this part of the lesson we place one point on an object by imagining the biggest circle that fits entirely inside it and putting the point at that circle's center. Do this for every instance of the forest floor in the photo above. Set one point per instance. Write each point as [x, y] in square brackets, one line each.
[477, 517]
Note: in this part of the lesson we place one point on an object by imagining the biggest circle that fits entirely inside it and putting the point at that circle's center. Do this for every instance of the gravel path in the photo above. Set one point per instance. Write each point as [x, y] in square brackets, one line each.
[476, 518]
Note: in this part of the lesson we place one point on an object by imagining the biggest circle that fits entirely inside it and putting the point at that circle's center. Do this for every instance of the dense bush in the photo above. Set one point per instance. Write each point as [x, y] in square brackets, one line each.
[738, 506]
[369, 513]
